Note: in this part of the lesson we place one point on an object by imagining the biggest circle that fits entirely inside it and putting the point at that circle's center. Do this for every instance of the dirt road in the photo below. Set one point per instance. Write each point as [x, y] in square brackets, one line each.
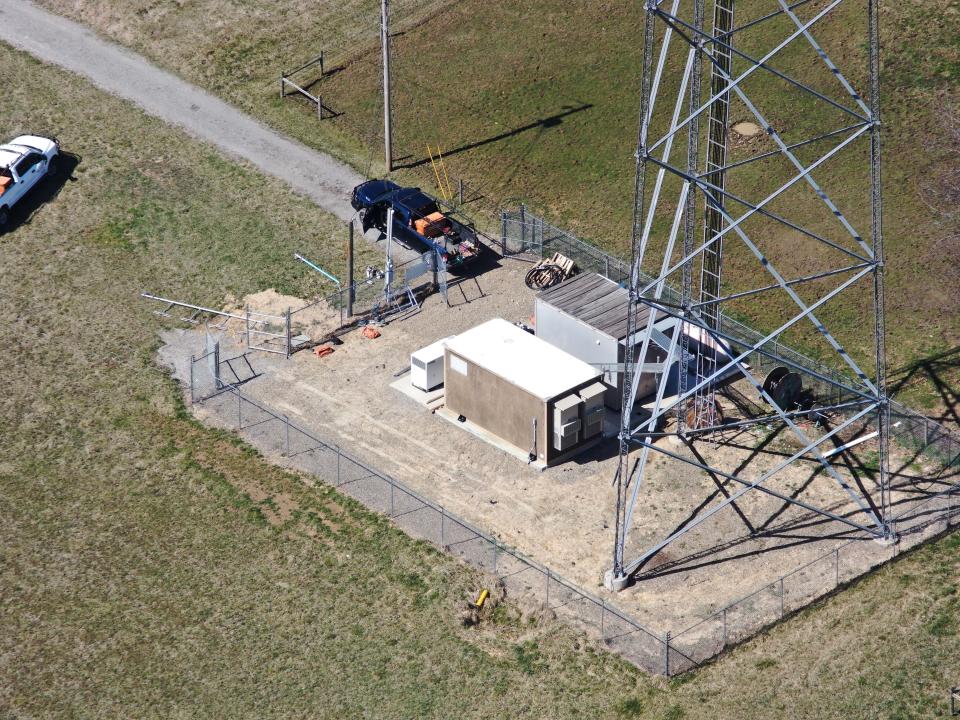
[61, 42]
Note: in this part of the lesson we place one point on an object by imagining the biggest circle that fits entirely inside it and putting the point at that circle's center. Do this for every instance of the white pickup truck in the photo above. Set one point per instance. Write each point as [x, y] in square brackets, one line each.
[24, 162]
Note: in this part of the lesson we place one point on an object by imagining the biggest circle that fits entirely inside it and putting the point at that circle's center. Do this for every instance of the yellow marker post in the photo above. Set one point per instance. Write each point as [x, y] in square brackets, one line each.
[482, 598]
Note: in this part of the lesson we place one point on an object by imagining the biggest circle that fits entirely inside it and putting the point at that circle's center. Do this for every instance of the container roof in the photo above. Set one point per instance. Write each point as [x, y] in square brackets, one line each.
[597, 301]
[522, 359]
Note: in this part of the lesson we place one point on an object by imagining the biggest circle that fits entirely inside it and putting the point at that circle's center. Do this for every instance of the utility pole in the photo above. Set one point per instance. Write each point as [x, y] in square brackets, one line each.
[385, 46]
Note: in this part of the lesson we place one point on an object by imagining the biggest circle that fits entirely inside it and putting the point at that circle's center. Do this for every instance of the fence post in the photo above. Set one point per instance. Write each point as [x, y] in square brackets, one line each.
[666, 654]
[350, 290]
[338, 466]
[286, 426]
[460, 192]
[217, 384]
[192, 400]
[548, 588]
[319, 107]
[282, 88]
[503, 233]
[523, 227]
[289, 339]
[442, 518]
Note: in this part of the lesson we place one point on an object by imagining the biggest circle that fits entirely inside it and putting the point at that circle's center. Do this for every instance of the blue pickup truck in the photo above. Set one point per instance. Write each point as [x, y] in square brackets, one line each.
[418, 222]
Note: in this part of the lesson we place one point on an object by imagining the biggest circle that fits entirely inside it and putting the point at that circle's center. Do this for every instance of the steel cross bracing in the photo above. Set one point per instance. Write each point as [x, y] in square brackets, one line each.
[689, 186]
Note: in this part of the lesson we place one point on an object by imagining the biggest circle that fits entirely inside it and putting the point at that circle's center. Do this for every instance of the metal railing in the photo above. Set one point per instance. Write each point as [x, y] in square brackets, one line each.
[262, 331]
[286, 82]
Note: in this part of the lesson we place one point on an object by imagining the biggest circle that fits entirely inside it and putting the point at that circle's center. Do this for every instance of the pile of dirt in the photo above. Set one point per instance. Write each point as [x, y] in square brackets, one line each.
[746, 129]
[315, 319]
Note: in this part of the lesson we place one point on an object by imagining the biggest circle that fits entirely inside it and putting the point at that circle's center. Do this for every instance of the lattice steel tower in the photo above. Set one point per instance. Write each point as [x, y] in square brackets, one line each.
[778, 220]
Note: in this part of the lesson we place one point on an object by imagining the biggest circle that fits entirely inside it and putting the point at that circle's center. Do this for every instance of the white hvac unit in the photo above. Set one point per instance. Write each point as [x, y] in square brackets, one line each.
[426, 366]
[566, 422]
[565, 436]
[592, 411]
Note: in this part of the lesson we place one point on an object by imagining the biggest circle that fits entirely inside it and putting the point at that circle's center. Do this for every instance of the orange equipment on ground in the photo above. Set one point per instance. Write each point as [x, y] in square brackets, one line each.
[370, 333]
[322, 351]
[432, 225]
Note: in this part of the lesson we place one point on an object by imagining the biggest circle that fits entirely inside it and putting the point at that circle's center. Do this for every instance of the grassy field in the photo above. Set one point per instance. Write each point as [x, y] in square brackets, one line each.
[537, 100]
[150, 567]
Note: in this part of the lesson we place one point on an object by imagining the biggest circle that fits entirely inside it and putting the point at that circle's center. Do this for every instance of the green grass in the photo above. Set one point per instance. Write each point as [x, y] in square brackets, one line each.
[144, 568]
[537, 100]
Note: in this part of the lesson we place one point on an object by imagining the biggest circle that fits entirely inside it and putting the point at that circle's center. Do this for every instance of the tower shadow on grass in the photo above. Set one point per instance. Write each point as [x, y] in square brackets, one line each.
[940, 372]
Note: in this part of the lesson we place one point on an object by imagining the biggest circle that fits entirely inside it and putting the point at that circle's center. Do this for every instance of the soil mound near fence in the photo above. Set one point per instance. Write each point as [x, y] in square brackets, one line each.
[316, 318]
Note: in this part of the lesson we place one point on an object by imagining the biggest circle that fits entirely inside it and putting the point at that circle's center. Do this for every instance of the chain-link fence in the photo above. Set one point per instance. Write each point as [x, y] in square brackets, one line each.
[523, 232]
[420, 517]
[914, 523]
[214, 383]
[933, 449]
[367, 299]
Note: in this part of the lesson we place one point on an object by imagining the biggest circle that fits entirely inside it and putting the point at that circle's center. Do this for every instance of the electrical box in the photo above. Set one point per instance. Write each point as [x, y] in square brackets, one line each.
[426, 366]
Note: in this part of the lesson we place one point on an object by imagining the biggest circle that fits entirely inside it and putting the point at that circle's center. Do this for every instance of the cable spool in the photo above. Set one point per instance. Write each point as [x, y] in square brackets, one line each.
[784, 387]
[543, 276]
[773, 377]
